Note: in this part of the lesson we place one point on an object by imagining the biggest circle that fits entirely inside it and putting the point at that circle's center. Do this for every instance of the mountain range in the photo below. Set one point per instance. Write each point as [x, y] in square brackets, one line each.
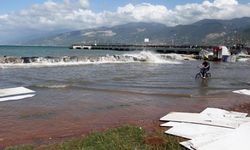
[204, 32]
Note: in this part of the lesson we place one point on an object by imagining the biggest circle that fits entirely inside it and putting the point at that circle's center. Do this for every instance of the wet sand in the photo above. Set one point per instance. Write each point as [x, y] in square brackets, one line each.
[40, 125]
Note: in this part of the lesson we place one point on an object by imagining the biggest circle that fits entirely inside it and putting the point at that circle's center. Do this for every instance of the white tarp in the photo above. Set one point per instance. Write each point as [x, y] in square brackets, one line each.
[243, 91]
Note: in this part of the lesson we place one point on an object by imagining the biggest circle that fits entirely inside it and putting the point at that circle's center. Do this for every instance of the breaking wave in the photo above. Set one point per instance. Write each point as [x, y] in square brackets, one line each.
[57, 86]
[139, 57]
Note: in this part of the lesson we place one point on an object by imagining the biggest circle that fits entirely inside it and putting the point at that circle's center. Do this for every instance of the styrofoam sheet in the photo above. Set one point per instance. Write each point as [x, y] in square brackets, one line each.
[213, 128]
[216, 112]
[14, 91]
[200, 141]
[170, 124]
[11, 98]
[191, 131]
[236, 140]
[243, 91]
[187, 144]
[212, 112]
[204, 119]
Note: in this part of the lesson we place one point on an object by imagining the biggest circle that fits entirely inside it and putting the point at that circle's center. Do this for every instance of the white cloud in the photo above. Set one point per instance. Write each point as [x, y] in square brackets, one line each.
[222, 3]
[84, 3]
[144, 12]
[76, 14]
[218, 9]
[5, 16]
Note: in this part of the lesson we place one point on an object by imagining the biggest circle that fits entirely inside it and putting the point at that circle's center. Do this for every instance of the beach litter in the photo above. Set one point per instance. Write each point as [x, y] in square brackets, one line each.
[243, 91]
[212, 129]
[17, 93]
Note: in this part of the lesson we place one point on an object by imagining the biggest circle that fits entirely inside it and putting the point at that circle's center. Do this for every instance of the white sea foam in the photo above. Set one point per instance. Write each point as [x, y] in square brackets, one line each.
[150, 57]
[138, 57]
[178, 57]
[56, 86]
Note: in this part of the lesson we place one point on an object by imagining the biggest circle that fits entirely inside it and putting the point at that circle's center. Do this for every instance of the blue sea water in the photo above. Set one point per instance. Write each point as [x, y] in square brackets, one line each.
[42, 51]
[139, 72]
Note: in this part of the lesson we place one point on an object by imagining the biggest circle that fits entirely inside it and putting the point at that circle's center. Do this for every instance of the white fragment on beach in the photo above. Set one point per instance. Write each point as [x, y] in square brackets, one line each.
[16, 93]
[237, 139]
[213, 128]
[243, 91]
[12, 98]
[216, 112]
[170, 124]
[196, 118]
[190, 131]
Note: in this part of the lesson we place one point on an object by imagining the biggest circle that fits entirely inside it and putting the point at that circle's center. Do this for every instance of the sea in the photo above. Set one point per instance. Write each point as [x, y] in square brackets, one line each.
[78, 91]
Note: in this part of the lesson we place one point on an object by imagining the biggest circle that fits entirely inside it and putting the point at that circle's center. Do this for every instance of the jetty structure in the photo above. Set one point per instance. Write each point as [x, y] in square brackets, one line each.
[179, 49]
[213, 53]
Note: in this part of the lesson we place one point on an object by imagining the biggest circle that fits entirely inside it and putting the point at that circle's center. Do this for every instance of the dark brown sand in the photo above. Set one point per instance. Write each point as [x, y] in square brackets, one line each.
[51, 125]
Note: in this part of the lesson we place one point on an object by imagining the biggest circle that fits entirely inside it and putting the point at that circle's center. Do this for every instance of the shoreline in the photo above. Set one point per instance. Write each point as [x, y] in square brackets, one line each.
[56, 128]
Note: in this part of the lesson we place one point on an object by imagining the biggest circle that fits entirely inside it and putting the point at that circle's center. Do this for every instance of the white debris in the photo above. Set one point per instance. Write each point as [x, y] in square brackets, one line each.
[170, 124]
[237, 139]
[200, 141]
[204, 119]
[243, 91]
[190, 131]
[11, 98]
[216, 112]
[212, 129]
[15, 93]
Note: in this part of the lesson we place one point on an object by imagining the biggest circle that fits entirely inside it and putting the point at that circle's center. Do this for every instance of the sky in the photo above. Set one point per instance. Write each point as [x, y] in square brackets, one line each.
[27, 18]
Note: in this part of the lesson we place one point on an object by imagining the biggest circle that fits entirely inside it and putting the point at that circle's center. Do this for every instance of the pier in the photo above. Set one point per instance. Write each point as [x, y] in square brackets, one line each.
[179, 49]
[184, 49]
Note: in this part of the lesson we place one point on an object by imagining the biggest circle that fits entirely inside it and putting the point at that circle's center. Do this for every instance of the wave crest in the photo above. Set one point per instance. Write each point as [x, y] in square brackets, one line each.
[55, 86]
[142, 57]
